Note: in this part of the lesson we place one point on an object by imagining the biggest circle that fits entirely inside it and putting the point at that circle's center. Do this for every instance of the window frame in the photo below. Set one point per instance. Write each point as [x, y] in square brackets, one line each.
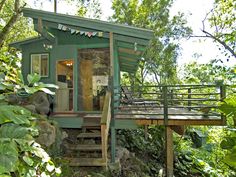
[40, 59]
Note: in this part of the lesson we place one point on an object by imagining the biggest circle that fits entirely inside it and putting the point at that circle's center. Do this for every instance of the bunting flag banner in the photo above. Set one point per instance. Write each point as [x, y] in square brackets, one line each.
[72, 31]
[75, 31]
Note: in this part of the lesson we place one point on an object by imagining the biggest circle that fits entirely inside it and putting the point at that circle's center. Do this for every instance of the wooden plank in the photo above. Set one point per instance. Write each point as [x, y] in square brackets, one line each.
[85, 161]
[169, 152]
[104, 142]
[86, 73]
[111, 54]
[84, 147]
[89, 135]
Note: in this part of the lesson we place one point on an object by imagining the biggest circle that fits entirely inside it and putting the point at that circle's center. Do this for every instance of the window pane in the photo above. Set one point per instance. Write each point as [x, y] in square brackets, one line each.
[44, 65]
[35, 64]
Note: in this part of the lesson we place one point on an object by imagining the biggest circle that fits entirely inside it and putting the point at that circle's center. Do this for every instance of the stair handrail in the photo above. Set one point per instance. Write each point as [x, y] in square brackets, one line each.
[105, 124]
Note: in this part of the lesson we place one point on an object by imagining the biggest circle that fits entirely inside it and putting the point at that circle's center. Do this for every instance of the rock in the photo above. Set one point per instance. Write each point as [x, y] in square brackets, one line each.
[47, 133]
[115, 168]
[64, 135]
[122, 153]
[40, 100]
[31, 108]
[12, 99]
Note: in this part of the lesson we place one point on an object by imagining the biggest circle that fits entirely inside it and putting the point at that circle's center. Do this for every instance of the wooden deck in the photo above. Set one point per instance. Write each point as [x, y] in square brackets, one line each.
[176, 116]
[170, 105]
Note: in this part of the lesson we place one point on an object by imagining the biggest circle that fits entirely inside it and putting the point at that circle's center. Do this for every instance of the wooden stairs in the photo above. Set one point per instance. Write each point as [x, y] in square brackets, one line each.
[86, 149]
[89, 145]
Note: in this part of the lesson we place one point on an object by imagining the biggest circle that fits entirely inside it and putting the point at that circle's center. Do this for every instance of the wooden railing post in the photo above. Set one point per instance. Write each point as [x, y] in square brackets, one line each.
[165, 103]
[105, 125]
[189, 99]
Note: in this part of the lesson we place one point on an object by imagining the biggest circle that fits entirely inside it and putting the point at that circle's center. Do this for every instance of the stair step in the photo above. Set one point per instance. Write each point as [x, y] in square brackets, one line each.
[91, 124]
[85, 147]
[89, 135]
[86, 161]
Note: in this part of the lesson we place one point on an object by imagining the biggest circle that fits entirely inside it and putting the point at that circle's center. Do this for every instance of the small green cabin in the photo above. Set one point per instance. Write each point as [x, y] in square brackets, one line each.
[81, 56]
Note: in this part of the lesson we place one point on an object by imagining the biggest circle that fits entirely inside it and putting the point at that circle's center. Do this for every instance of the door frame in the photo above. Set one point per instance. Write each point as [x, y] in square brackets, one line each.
[73, 60]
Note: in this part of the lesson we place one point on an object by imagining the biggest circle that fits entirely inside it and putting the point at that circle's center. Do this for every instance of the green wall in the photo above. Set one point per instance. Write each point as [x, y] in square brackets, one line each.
[66, 47]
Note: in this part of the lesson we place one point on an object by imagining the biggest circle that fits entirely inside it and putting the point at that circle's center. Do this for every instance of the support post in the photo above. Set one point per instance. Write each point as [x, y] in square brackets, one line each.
[169, 152]
[189, 99]
[222, 97]
[165, 99]
[113, 130]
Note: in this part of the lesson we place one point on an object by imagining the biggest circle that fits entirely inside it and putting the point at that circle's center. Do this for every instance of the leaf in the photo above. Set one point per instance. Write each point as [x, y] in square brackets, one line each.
[47, 91]
[39, 152]
[28, 160]
[48, 85]
[230, 159]
[33, 78]
[50, 167]
[15, 132]
[16, 114]
[2, 97]
[8, 157]
[228, 143]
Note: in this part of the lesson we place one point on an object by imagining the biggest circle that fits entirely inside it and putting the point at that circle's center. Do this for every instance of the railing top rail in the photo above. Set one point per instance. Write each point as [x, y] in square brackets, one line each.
[183, 85]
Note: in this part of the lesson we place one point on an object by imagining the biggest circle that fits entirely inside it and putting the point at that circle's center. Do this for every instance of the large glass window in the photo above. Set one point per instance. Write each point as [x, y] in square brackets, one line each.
[39, 64]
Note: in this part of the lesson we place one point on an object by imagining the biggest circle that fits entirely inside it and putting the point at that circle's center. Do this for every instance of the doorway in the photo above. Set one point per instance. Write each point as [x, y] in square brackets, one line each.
[93, 78]
[64, 79]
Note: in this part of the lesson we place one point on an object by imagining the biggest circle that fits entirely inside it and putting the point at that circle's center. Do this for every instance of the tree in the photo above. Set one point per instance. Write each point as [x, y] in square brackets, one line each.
[9, 16]
[89, 9]
[215, 71]
[160, 59]
[222, 30]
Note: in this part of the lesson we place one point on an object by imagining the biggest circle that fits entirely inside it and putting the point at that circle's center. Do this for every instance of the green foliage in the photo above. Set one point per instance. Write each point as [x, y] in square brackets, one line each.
[89, 9]
[19, 152]
[161, 56]
[215, 71]
[222, 19]
[151, 146]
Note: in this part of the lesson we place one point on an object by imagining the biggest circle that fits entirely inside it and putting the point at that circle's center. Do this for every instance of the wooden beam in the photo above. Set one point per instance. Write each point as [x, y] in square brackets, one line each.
[111, 54]
[127, 55]
[139, 41]
[131, 46]
[169, 152]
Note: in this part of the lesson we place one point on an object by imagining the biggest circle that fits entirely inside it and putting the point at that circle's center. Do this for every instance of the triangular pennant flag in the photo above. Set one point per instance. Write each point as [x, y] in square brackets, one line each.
[94, 34]
[59, 26]
[72, 31]
[100, 34]
[77, 31]
[82, 32]
[90, 34]
[64, 28]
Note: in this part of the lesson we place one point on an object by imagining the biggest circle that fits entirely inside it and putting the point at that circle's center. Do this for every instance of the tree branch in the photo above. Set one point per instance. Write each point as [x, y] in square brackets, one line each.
[2, 4]
[5, 31]
[221, 42]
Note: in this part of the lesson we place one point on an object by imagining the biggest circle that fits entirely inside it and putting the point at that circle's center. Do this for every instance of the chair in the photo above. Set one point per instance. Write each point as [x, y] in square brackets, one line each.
[129, 99]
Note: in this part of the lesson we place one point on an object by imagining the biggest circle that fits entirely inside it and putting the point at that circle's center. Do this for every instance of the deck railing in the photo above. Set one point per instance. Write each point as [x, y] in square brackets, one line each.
[105, 124]
[169, 101]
